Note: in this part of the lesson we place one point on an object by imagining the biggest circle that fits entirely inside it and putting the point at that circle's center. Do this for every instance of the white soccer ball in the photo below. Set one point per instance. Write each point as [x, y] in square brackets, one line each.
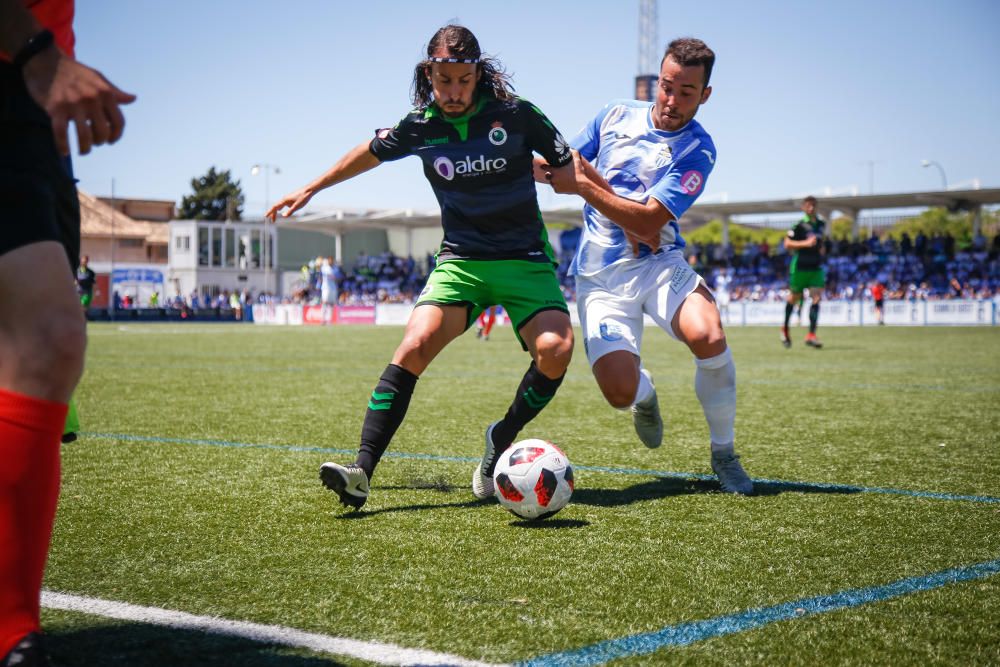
[533, 479]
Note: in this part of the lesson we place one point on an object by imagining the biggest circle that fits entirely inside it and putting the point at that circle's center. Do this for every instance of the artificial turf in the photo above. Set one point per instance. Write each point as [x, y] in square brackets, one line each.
[195, 487]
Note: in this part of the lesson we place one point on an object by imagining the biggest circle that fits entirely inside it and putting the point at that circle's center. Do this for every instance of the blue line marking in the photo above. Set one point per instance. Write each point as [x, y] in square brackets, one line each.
[683, 634]
[773, 483]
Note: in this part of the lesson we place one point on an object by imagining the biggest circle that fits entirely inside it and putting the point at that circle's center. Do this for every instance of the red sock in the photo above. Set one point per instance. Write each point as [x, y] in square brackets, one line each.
[30, 431]
[490, 321]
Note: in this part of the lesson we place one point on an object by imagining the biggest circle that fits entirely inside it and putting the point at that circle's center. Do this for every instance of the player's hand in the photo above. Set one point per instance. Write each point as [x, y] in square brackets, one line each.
[562, 179]
[585, 170]
[652, 241]
[293, 202]
[71, 91]
[541, 170]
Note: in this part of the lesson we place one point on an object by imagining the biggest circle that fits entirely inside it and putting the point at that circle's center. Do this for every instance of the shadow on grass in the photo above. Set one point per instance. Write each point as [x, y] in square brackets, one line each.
[660, 487]
[364, 513]
[664, 487]
[549, 524]
[135, 644]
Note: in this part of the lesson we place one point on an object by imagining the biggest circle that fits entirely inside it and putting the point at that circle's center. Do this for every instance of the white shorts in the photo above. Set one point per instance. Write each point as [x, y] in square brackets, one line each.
[612, 303]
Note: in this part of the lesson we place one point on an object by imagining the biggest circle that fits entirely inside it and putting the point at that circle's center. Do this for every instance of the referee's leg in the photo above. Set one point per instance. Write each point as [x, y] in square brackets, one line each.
[42, 343]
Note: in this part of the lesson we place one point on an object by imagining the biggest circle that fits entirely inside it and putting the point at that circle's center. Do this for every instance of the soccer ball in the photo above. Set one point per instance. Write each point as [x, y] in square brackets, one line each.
[533, 479]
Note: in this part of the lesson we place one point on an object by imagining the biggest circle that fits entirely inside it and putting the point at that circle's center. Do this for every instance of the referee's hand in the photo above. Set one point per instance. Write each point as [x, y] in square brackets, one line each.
[71, 91]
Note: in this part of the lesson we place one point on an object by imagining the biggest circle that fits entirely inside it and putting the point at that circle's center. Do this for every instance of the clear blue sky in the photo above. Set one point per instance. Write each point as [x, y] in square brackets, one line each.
[805, 93]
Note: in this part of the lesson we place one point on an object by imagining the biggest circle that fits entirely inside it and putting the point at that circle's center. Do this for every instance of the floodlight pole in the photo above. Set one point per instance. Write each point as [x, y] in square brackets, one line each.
[111, 278]
[871, 173]
[944, 179]
[267, 168]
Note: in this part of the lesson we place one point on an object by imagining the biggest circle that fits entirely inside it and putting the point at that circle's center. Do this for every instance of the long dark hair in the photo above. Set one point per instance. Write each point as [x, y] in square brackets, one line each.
[459, 42]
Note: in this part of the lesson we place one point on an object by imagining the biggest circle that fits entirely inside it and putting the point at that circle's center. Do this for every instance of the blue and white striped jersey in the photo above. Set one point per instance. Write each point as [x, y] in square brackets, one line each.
[639, 161]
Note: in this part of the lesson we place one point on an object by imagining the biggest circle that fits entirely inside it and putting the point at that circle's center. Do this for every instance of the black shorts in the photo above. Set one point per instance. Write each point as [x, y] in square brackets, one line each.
[38, 200]
[878, 303]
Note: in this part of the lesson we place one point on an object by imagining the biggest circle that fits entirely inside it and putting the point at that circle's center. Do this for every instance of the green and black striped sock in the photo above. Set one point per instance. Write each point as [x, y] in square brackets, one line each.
[386, 409]
[534, 393]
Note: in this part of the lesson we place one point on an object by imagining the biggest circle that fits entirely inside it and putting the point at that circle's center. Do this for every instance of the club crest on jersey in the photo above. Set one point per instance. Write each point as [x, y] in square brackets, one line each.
[692, 181]
[445, 168]
[497, 135]
[665, 157]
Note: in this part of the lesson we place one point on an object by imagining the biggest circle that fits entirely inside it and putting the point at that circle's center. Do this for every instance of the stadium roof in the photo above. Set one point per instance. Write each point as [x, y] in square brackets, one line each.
[98, 219]
[950, 199]
[336, 222]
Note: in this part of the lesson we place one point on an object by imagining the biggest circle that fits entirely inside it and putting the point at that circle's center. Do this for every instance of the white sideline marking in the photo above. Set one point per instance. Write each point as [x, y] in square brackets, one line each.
[384, 654]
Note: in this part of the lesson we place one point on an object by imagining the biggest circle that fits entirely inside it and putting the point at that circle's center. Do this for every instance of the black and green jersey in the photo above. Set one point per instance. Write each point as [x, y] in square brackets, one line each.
[808, 259]
[480, 168]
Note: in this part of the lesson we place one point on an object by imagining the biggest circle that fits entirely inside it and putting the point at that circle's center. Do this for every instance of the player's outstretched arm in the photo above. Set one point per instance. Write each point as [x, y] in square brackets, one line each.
[641, 219]
[357, 161]
[66, 89]
[582, 175]
[564, 179]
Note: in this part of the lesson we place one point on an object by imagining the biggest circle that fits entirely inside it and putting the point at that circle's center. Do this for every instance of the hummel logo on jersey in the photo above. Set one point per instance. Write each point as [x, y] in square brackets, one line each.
[708, 154]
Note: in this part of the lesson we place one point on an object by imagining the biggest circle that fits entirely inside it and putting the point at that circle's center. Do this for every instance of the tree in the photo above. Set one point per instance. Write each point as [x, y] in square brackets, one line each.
[841, 229]
[216, 197]
[739, 235]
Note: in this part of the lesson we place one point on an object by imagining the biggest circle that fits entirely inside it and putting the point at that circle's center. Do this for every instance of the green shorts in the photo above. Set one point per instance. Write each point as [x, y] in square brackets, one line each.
[523, 288]
[85, 300]
[798, 281]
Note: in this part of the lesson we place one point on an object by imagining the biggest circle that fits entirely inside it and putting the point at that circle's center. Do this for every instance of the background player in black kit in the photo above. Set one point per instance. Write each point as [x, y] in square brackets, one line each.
[806, 271]
[476, 141]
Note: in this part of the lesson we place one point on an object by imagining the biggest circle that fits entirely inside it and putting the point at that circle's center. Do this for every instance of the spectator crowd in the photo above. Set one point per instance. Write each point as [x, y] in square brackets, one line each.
[919, 268]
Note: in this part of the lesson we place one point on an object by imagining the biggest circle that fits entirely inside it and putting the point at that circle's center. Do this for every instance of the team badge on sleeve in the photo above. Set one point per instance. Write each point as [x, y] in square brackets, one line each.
[692, 181]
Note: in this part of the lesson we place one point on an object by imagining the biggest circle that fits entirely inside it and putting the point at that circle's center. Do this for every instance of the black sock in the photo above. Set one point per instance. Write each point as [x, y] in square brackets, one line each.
[813, 317]
[386, 410]
[534, 393]
[789, 307]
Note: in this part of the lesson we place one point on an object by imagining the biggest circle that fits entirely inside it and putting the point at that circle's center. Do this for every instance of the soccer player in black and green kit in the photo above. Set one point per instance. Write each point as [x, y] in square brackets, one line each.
[806, 270]
[476, 141]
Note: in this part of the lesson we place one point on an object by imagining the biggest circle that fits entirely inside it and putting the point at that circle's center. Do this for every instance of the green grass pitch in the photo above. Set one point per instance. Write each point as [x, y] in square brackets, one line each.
[160, 507]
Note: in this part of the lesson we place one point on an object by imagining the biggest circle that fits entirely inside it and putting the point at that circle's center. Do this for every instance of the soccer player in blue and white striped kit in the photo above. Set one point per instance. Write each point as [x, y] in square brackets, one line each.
[650, 163]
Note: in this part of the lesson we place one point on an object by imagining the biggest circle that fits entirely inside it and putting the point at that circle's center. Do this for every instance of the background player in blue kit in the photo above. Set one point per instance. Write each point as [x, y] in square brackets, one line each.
[476, 141]
[650, 164]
